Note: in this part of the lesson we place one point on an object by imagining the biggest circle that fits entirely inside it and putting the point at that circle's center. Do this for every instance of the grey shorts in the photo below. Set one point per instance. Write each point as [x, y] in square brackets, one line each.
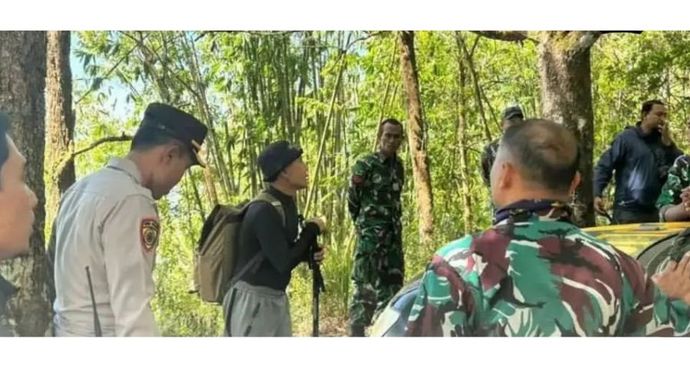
[256, 311]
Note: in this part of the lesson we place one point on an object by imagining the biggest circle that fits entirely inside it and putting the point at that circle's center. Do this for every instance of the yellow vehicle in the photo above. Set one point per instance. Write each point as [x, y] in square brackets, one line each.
[648, 243]
[634, 238]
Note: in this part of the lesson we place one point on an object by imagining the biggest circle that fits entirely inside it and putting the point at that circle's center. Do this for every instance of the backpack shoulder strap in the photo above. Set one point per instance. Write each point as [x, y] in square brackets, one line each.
[254, 262]
[267, 197]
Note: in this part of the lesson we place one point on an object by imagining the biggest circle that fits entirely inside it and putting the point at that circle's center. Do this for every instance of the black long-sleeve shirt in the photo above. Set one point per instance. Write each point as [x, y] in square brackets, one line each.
[282, 250]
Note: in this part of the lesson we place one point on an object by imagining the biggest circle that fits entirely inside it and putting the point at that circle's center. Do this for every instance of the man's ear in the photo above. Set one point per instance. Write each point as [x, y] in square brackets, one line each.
[169, 152]
[505, 175]
[575, 183]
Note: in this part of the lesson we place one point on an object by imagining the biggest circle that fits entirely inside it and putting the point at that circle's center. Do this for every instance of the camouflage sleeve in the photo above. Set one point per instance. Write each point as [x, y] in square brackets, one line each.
[354, 192]
[647, 311]
[675, 183]
[450, 297]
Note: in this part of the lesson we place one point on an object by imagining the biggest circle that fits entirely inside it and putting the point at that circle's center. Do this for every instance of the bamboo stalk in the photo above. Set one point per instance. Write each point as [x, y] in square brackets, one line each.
[325, 134]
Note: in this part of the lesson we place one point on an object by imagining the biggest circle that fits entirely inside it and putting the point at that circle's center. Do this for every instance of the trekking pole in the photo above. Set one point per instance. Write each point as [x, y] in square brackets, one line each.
[317, 287]
[317, 283]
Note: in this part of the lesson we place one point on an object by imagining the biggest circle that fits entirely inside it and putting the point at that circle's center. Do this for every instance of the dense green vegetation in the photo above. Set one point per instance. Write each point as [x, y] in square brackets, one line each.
[327, 91]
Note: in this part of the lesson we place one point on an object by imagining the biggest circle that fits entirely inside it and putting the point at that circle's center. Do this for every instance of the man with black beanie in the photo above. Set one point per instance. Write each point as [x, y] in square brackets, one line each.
[256, 305]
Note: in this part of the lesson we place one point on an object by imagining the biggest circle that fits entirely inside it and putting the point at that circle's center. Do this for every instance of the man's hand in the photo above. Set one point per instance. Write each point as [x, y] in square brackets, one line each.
[685, 198]
[675, 280]
[685, 194]
[320, 222]
[599, 206]
[320, 255]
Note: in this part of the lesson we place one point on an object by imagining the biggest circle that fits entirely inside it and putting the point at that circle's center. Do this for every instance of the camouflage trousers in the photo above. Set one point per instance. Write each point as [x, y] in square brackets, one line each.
[377, 273]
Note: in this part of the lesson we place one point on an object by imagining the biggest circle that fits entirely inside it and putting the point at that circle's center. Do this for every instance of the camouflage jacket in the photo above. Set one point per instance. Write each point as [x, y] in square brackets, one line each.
[374, 192]
[678, 179]
[536, 274]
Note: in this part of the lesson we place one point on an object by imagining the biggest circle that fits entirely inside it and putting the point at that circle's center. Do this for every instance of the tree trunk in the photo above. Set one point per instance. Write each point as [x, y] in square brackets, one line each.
[477, 88]
[59, 119]
[416, 136]
[566, 90]
[22, 87]
[462, 138]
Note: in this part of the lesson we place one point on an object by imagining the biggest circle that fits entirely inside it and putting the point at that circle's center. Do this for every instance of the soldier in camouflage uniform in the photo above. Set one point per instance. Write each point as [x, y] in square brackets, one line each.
[674, 201]
[534, 273]
[374, 204]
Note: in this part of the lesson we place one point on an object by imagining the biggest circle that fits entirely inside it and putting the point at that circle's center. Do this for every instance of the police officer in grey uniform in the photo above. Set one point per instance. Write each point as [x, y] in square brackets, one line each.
[108, 222]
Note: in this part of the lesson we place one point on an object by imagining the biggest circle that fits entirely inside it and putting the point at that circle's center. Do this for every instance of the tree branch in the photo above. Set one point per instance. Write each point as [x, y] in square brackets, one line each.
[586, 40]
[109, 139]
[365, 37]
[164, 65]
[474, 45]
[107, 74]
[621, 32]
[508, 36]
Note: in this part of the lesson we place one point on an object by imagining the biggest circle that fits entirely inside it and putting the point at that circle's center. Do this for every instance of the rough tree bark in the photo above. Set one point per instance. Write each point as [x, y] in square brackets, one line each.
[566, 95]
[59, 120]
[416, 135]
[22, 86]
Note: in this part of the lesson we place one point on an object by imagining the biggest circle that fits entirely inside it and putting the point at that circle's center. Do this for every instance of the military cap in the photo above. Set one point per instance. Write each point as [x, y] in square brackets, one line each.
[512, 112]
[275, 157]
[178, 125]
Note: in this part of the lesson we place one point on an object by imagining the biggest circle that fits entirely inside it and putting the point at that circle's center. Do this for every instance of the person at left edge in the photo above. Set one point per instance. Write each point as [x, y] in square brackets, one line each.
[17, 203]
[109, 222]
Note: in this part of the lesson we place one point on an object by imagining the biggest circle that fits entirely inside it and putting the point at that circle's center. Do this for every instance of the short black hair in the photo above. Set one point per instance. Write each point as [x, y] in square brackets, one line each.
[4, 146]
[648, 105]
[546, 153]
[391, 121]
[146, 138]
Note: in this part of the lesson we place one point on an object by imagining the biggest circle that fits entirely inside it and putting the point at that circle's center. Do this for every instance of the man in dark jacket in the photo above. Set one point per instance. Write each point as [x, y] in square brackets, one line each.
[17, 203]
[641, 157]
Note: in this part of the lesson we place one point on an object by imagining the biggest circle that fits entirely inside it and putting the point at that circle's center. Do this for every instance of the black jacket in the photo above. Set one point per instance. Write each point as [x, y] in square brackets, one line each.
[641, 165]
[282, 250]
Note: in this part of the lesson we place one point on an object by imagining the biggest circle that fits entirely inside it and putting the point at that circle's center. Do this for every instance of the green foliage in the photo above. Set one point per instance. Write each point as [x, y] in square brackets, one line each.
[253, 88]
